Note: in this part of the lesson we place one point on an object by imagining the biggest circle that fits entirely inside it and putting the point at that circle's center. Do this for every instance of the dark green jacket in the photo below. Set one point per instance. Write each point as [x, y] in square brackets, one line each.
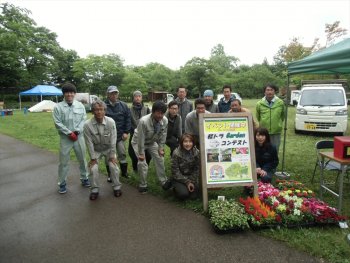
[185, 166]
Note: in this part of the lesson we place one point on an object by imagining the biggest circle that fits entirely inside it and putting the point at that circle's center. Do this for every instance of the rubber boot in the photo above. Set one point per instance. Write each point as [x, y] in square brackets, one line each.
[124, 169]
[109, 180]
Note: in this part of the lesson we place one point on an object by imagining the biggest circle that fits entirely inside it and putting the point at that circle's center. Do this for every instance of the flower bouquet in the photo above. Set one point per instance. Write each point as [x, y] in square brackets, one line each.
[227, 216]
[260, 214]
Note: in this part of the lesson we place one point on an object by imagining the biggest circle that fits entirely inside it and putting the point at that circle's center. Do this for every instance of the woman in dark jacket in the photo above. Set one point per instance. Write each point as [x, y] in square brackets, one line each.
[185, 168]
[266, 155]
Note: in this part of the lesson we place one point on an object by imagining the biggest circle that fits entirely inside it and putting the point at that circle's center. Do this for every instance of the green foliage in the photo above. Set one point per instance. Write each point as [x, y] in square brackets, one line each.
[157, 76]
[96, 73]
[227, 215]
[132, 81]
[29, 54]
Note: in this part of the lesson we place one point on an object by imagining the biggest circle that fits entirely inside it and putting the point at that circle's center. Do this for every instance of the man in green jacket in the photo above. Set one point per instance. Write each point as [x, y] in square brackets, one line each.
[270, 114]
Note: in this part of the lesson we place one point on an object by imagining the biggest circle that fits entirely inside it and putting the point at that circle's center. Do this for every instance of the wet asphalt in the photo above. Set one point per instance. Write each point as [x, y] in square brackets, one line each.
[37, 224]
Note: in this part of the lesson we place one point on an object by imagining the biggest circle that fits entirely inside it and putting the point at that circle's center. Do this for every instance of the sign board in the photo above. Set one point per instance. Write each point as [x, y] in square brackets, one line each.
[227, 151]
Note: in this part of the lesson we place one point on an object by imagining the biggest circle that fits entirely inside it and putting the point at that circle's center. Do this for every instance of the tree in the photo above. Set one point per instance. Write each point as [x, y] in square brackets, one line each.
[131, 82]
[220, 62]
[157, 76]
[333, 31]
[28, 53]
[199, 75]
[96, 73]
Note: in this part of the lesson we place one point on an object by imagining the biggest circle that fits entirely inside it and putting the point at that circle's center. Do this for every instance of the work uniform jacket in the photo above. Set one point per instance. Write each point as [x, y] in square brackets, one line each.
[69, 118]
[100, 137]
[185, 107]
[146, 135]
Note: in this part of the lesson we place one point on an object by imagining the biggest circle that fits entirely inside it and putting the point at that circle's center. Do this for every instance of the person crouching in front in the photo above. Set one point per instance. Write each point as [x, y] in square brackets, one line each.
[100, 136]
[185, 168]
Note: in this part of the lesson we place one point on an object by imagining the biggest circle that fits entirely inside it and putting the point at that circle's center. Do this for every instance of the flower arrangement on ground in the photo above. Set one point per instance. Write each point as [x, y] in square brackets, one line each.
[322, 212]
[295, 188]
[227, 215]
[291, 208]
[259, 212]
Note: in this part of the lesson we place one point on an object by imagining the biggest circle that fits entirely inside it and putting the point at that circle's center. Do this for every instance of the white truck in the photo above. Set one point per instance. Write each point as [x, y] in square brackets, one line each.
[322, 107]
[86, 99]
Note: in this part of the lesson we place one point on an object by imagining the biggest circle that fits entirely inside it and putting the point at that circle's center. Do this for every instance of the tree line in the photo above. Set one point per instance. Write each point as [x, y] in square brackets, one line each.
[30, 55]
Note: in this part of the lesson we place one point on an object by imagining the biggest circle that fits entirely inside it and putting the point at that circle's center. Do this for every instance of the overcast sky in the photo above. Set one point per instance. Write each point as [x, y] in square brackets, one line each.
[173, 32]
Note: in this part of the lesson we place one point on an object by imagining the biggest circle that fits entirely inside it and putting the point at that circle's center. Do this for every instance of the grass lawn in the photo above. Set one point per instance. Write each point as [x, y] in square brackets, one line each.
[327, 242]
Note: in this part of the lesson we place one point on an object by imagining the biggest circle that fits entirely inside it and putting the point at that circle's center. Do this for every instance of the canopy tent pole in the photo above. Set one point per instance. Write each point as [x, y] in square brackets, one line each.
[56, 99]
[284, 174]
[20, 103]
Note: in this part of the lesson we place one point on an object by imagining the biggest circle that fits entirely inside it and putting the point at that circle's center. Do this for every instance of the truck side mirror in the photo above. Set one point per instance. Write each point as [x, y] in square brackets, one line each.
[295, 102]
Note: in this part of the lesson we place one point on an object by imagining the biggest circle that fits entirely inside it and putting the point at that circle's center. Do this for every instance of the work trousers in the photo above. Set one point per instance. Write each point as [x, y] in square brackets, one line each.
[133, 156]
[121, 151]
[94, 173]
[66, 146]
[142, 166]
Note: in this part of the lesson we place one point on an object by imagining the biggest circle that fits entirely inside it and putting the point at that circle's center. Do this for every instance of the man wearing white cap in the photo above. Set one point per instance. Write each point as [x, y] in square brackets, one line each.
[209, 103]
[120, 113]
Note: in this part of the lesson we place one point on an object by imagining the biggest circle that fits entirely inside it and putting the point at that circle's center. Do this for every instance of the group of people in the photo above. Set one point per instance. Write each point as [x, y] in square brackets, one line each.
[175, 125]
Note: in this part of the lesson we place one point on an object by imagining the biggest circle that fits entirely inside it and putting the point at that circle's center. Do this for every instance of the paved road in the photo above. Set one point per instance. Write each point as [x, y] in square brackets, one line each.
[39, 225]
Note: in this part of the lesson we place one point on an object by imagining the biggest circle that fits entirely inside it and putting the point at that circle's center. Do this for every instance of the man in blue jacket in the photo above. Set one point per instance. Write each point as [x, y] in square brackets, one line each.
[225, 102]
[120, 113]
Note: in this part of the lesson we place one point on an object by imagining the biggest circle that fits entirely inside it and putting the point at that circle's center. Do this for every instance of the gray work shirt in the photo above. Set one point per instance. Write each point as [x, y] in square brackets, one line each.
[100, 137]
[69, 118]
[145, 134]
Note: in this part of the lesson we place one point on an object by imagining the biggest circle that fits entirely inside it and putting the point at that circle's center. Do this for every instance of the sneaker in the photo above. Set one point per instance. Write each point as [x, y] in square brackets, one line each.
[62, 189]
[85, 183]
[167, 185]
[109, 179]
[143, 190]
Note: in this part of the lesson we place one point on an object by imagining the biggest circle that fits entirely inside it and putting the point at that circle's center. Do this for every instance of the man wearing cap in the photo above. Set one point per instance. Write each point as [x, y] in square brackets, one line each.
[120, 113]
[209, 103]
[185, 106]
[69, 117]
[137, 110]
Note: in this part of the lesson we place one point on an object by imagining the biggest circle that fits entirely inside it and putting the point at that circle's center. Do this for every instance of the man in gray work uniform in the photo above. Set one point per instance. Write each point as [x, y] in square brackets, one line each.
[100, 136]
[150, 135]
[69, 116]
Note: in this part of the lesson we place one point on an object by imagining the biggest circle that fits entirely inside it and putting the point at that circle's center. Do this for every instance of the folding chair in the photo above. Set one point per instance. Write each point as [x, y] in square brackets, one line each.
[328, 165]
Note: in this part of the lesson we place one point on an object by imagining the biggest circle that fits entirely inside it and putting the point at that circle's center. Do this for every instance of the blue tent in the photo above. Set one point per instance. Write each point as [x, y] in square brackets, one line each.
[41, 90]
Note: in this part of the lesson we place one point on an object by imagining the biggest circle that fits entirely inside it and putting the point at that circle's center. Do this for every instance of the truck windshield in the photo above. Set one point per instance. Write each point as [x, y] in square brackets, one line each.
[322, 97]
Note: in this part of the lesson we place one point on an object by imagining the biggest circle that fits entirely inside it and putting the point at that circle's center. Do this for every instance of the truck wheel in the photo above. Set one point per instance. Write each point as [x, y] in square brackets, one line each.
[297, 131]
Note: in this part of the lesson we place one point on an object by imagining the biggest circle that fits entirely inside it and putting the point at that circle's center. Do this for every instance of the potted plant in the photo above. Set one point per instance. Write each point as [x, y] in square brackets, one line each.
[227, 216]
[260, 214]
